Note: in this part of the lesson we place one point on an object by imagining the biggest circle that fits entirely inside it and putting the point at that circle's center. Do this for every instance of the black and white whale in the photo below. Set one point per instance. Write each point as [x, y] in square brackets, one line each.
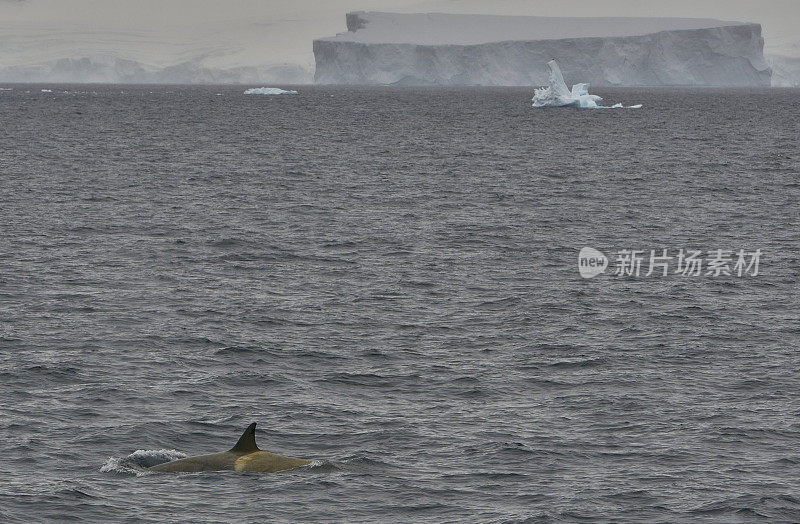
[244, 456]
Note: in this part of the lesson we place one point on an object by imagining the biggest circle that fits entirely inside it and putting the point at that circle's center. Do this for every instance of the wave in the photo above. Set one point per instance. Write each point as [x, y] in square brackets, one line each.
[578, 363]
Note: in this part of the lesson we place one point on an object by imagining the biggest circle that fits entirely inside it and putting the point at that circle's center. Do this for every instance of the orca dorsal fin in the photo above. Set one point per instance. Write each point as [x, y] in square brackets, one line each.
[247, 442]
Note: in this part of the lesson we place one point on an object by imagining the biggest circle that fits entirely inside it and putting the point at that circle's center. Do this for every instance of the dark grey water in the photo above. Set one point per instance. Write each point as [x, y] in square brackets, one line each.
[386, 280]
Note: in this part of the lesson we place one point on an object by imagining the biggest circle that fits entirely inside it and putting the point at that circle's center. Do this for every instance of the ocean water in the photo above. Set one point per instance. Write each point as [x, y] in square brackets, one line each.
[386, 280]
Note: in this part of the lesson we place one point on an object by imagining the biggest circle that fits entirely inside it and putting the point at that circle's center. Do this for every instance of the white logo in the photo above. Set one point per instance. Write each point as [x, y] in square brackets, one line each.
[591, 262]
[690, 263]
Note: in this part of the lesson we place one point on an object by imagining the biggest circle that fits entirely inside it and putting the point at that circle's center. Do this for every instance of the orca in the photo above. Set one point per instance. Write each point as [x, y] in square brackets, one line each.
[244, 456]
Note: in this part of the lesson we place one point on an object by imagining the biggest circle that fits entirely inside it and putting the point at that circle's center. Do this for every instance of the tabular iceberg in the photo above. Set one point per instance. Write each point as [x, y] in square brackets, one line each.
[446, 49]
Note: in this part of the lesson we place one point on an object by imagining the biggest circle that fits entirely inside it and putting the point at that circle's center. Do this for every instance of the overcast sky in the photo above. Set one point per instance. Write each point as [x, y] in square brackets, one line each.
[282, 30]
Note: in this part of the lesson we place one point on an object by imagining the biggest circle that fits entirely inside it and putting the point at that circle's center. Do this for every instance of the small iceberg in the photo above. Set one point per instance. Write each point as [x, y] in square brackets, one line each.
[268, 91]
[557, 95]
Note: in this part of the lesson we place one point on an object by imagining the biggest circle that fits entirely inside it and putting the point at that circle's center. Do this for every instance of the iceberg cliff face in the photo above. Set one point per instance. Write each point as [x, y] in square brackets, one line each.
[785, 70]
[439, 49]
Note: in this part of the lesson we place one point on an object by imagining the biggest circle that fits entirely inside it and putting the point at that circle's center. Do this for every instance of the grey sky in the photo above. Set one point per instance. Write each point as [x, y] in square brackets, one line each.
[235, 32]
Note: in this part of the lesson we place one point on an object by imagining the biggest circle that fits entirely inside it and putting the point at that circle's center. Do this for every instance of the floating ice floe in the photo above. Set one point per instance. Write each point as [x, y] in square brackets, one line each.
[557, 95]
[268, 91]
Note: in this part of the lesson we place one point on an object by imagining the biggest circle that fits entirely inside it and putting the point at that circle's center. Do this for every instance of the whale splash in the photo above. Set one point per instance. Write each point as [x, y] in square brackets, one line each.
[137, 462]
[556, 93]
